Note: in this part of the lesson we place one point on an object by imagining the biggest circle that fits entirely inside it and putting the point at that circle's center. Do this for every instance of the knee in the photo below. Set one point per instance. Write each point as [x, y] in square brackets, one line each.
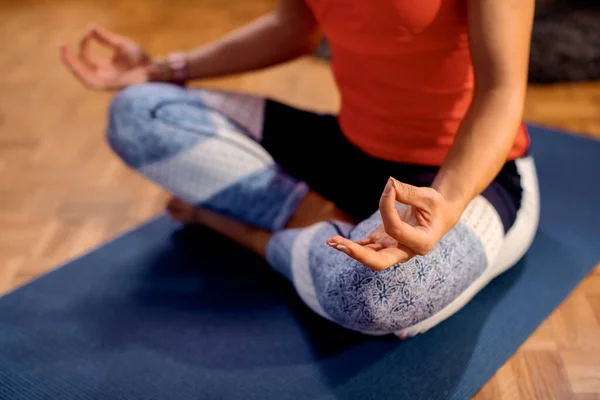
[361, 300]
[377, 302]
[134, 103]
[130, 114]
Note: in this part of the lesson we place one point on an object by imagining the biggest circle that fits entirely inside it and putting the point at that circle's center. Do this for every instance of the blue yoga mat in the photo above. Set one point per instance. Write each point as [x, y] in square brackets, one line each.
[162, 313]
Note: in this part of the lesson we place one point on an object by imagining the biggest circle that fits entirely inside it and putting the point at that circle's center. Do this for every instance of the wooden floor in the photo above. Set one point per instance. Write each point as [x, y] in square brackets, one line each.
[63, 193]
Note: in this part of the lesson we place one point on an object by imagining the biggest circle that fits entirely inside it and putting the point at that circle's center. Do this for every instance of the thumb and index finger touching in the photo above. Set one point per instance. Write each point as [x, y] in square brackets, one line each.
[106, 37]
[398, 229]
[83, 65]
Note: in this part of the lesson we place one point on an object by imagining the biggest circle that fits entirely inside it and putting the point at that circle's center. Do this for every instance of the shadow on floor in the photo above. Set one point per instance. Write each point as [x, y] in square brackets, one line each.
[221, 307]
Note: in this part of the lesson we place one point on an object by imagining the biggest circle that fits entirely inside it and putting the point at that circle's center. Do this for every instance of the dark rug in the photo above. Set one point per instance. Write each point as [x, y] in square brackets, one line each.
[565, 44]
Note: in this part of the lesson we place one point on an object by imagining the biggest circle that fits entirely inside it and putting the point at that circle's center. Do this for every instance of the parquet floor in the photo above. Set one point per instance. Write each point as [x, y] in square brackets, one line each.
[63, 193]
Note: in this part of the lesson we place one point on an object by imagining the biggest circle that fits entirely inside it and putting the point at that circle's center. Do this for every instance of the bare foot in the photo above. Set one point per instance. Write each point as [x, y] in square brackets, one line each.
[182, 211]
[312, 209]
[315, 208]
[248, 236]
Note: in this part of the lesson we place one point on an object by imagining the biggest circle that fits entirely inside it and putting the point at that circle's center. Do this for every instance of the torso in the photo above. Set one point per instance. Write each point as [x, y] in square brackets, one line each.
[404, 72]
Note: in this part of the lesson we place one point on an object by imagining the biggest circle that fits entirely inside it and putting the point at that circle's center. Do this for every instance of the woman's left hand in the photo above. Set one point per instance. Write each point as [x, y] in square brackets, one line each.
[414, 230]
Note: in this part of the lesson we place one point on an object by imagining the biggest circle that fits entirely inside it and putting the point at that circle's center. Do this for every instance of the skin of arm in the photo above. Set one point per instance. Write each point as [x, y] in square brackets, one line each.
[288, 32]
[499, 35]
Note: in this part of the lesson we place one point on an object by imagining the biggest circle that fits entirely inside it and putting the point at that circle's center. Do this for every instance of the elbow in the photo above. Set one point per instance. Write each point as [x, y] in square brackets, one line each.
[305, 40]
[310, 42]
[509, 97]
[299, 32]
[505, 86]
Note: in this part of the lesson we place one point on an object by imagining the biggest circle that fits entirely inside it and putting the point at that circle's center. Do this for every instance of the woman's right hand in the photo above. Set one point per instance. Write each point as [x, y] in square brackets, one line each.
[129, 63]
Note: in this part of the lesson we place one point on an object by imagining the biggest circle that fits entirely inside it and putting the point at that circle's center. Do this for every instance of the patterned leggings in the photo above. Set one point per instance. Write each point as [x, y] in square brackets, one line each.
[205, 148]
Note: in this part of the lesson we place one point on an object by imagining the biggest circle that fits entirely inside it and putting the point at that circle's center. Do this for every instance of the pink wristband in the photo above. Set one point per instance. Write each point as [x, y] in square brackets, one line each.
[177, 63]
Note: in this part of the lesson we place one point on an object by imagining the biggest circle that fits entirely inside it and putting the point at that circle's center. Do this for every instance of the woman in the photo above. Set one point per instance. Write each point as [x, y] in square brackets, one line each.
[432, 95]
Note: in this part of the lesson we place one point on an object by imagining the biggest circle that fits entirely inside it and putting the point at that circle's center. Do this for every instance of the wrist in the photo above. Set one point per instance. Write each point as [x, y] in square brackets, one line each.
[455, 196]
[453, 192]
[155, 71]
[173, 68]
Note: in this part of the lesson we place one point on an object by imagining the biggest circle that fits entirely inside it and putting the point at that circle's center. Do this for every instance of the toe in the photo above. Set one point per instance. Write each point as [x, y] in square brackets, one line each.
[181, 211]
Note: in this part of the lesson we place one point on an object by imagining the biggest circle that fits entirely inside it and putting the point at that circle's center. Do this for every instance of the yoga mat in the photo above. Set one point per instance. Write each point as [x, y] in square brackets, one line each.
[161, 313]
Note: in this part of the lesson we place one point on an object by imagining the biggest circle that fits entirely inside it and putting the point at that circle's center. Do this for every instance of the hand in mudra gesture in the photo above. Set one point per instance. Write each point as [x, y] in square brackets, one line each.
[414, 230]
[128, 65]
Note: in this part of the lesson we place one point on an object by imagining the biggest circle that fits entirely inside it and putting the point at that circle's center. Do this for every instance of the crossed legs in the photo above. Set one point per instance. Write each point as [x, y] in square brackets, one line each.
[204, 147]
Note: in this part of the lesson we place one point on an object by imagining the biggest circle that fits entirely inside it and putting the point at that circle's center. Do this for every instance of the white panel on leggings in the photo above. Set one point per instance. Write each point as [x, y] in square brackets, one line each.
[245, 109]
[481, 216]
[301, 275]
[210, 166]
[521, 234]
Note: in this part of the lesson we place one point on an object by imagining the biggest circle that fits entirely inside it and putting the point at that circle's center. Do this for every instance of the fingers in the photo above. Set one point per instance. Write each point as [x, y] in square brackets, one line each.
[365, 241]
[85, 75]
[409, 194]
[370, 243]
[376, 260]
[349, 247]
[84, 52]
[106, 37]
[394, 226]
[375, 246]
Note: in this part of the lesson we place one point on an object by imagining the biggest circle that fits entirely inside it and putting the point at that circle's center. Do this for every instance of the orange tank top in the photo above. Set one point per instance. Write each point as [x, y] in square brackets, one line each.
[404, 72]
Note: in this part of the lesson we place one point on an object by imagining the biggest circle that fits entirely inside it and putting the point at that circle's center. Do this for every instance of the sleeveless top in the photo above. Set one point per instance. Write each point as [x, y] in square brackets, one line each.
[404, 72]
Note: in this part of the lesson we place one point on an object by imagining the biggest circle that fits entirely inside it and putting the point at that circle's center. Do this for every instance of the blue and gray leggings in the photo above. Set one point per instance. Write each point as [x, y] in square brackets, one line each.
[254, 160]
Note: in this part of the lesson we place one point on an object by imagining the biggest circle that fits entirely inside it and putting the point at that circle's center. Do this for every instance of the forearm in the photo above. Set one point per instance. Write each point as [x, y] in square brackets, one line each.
[269, 40]
[482, 144]
[499, 33]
